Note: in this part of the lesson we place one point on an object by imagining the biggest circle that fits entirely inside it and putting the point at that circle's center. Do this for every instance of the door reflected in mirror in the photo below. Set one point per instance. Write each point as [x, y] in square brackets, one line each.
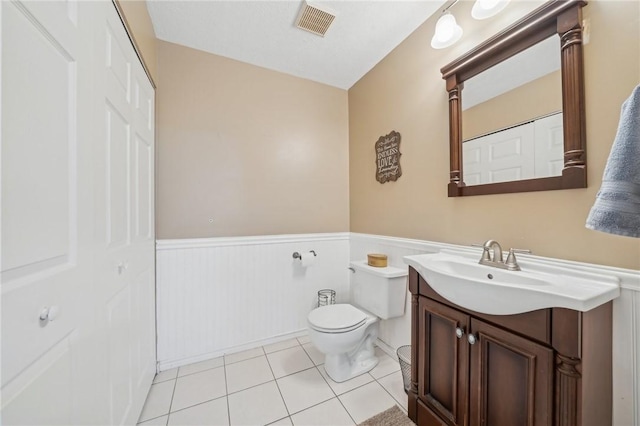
[512, 118]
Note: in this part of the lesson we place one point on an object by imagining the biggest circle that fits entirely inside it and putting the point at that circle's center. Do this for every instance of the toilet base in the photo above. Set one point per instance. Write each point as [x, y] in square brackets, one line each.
[345, 366]
[339, 373]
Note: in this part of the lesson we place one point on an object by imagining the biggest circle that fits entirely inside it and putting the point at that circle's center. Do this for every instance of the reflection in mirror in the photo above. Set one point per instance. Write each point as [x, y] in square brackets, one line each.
[512, 118]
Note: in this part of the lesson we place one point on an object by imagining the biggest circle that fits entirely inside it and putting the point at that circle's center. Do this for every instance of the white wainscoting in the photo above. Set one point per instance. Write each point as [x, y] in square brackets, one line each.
[221, 295]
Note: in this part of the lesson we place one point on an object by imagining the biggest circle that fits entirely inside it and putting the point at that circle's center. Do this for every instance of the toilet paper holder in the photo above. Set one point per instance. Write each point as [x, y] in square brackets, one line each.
[298, 256]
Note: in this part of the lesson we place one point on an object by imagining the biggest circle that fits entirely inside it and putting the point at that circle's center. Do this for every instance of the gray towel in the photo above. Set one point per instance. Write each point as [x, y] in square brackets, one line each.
[617, 206]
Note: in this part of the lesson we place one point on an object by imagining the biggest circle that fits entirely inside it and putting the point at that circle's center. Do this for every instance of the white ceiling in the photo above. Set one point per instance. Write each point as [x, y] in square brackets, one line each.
[263, 33]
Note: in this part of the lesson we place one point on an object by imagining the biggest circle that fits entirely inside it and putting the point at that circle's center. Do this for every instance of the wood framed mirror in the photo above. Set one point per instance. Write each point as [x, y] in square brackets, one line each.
[555, 19]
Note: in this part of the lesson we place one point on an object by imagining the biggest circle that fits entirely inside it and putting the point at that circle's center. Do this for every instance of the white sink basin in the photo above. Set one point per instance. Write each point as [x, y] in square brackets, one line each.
[486, 289]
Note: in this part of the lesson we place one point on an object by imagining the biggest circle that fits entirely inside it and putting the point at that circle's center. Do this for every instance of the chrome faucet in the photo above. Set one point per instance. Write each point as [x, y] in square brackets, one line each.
[493, 251]
[492, 256]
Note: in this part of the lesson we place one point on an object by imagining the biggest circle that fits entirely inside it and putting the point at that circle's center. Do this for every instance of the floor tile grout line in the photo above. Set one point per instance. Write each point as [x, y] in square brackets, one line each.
[396, 402]
[314, 405]
[197, 372]
[194, 405]
[303, 351]
[278, 387]
[363, 385]
[175, 385]
[314, 363]
[387, 390]
[336, 395]
[152, 418]
[246, 359]
[326, 381]
[165, 380]
[285, 417]
[251, 387]
[272, 380]
[350, 390]
[280, 350]
[199, 403]
[226, 388]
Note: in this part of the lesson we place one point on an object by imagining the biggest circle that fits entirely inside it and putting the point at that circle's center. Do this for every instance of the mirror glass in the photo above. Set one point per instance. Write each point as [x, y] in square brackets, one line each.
[512, 118]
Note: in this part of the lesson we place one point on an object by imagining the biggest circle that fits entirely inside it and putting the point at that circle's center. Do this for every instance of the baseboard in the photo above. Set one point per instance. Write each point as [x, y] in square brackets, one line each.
[169, 364]
[389, 350]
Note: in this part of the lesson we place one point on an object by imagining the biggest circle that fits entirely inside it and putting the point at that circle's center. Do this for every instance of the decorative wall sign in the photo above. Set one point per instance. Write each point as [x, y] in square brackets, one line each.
[388, 158]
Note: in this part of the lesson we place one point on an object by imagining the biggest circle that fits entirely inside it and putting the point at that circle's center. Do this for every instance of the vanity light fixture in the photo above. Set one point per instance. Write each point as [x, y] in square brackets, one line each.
[447, 31]
[483, 9]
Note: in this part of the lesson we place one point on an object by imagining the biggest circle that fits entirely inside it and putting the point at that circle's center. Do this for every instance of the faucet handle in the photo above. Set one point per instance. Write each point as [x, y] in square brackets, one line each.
[485, 252]
[511, 262]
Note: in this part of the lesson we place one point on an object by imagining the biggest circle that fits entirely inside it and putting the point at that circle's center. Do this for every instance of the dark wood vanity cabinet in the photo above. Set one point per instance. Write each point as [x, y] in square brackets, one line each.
[547, 367]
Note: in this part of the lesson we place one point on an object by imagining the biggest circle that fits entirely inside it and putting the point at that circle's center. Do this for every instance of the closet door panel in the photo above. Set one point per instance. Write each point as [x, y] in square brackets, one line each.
[143, 173]
[118, 149]
[125, 187]
[120, 378]
[47, 227]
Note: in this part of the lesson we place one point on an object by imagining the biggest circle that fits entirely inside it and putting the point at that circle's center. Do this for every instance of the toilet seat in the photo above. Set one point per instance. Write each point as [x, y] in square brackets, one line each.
[339, 318]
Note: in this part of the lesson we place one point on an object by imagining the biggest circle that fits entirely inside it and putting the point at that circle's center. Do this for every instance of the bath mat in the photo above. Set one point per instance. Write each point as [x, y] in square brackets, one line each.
[391, 417]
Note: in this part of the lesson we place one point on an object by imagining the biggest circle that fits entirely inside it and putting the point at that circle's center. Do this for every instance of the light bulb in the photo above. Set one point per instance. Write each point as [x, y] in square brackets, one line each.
[447, 32]
[445, 27]
[488, 4]
[483, 9]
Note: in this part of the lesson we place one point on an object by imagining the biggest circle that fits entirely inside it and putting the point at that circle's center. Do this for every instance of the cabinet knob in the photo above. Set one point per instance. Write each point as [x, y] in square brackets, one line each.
[472, 339]
[459, 332]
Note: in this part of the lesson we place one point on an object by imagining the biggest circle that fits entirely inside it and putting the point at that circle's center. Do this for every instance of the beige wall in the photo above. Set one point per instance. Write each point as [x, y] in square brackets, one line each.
[139, 22]
[257, 151]
[535, 99]
[405, 92]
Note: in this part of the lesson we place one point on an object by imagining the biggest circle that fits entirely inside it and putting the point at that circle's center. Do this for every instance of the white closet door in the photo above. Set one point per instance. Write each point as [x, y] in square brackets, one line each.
[47, 225]
[77, 216]
[549, 146]
[123, 188]
[499, 157]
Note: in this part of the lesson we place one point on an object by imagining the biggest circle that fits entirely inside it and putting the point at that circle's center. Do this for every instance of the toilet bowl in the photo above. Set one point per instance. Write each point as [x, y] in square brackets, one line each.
[345, 334]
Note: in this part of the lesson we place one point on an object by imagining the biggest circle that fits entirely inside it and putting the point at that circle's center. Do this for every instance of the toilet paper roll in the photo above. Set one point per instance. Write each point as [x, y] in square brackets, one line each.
[307, 259]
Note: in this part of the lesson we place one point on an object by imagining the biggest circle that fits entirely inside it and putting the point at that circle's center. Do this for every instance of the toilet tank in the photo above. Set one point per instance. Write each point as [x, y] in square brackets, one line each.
[381, 291]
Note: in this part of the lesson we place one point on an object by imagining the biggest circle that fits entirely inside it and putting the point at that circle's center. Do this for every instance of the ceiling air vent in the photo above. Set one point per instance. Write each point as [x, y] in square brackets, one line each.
[314, 19]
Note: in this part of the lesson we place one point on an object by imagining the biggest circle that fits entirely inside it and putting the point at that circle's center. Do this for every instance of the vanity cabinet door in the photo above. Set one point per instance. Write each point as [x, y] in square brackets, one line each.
[511, 379]
[443, 362]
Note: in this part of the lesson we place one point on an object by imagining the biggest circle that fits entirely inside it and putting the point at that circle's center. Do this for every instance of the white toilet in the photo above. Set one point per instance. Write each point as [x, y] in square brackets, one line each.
[345, 333]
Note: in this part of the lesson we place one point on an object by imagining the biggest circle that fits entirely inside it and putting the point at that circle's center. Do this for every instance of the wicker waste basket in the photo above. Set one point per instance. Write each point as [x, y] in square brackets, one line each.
[404, 357]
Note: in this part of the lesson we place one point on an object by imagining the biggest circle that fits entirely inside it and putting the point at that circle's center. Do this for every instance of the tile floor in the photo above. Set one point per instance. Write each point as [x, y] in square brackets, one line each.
[279, 384]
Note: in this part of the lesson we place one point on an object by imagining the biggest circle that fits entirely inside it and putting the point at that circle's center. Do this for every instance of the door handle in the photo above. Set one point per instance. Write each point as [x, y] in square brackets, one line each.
[48, 314]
